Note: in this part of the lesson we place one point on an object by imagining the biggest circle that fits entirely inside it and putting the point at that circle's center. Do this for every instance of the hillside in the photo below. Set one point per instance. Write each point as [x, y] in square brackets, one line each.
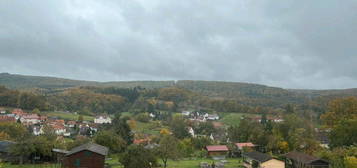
[245, 93]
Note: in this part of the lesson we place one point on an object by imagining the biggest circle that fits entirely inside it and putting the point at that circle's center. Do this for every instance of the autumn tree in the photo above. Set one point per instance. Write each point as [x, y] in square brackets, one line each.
[111, 140]
[179, 127]
[137, 156]
[168, 149]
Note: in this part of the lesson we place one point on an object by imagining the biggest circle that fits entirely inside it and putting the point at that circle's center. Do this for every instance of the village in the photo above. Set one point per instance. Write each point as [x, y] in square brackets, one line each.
[222, 152]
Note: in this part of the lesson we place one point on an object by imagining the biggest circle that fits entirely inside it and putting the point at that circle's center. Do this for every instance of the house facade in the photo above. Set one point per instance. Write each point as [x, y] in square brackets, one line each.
[301, 160]
[217, 151]
[102, 120]
[30, 118]
[261, 160]
[89, 155]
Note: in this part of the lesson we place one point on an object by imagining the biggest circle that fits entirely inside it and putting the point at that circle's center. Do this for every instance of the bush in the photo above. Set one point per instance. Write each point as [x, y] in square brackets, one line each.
[143, 117]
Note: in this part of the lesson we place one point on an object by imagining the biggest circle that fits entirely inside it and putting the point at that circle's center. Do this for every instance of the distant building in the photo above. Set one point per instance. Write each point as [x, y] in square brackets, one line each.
[240, 146]
[217, 151]
[59, 129]
[37, 130]
[257, 159]
[18, 113]
[102, 120]
[191, 131]
[30, 119]
[2, 111]
[297, 160]
[5, 118]
[211, 117]
[89, 155]
[71, 124]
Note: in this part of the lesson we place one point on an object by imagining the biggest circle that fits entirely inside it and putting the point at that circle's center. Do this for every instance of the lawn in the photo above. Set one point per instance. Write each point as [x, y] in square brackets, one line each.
[30, 166]
[151, 127]
[189, 163]
[233, 119]
[68, 116]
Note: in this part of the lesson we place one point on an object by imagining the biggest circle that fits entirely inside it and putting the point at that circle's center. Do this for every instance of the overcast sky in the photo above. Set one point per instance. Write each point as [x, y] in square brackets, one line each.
[285, 43]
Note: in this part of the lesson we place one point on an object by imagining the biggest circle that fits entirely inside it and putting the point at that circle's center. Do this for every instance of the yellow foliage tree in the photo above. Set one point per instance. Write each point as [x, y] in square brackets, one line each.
[132, 124]
[283, 146]
[351, 162]
[165, 131]
[4, 136]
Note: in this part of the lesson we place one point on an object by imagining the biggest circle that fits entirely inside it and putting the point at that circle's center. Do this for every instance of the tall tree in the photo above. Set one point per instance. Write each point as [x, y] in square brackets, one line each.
[137, 156]
[179, 127]
[122, 128]
[168, 149]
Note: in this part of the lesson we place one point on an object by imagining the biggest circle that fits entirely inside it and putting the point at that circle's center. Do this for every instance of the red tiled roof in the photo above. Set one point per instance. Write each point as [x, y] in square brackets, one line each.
[72, 122]
[246, 144]
[18, 112]
[7, 119]
[31, 116]
[213, 148]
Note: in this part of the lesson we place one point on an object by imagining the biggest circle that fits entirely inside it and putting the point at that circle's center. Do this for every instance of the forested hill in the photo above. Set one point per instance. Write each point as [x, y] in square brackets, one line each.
[15, 81]
[244, 93]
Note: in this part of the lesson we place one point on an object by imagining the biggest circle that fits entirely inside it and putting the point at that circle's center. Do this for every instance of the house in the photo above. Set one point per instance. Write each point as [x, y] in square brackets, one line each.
[297, 159]
[18, 113]
[71, 124]
[191, 131]
[217, 151]
[211, 117]
[89, 155]
[102, 120]
[37, 130]
[5, 151]
[30, 119]
[2, 111]
[241, 146]
[261, 160]
[7, 119]
[59, 129]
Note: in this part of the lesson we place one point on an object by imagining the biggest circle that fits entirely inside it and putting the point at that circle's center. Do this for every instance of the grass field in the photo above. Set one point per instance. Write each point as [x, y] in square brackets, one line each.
[232, 163]
[68, 116]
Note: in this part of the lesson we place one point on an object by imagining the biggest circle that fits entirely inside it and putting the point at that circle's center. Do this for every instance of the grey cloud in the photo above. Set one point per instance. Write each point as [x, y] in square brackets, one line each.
[286, 43]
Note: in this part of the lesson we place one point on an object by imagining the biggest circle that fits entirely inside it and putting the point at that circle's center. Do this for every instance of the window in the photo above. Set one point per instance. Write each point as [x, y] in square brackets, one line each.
[77, 162]
[87, 153]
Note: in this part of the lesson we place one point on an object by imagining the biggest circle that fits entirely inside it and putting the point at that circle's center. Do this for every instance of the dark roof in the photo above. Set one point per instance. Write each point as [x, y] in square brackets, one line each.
[5, 146]
[302, 157]
[260, 157]
[102, 150]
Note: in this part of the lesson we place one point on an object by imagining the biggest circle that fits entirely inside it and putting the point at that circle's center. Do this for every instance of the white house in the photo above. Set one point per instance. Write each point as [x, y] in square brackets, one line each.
[191, 131]
[211, 116]
[59, 129]
[2, 111]
[102, 120]
[30, 118]
[37, 130]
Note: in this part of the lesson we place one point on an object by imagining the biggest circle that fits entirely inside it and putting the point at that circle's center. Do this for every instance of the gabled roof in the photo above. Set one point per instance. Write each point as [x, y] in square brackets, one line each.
[102, 150]
[302, 157]
[246, 144]
[257, 156]
[216, 148]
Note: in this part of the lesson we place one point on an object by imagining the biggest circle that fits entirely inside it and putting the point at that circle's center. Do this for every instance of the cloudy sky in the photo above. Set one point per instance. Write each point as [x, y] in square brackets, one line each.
[286, 43]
